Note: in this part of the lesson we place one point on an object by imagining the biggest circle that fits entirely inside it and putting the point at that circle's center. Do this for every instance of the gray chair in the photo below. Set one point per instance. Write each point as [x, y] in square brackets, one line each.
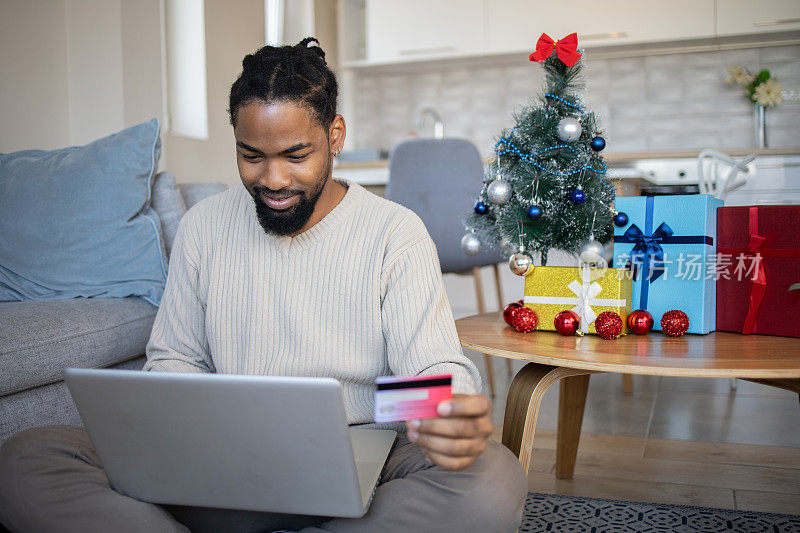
[439, 180]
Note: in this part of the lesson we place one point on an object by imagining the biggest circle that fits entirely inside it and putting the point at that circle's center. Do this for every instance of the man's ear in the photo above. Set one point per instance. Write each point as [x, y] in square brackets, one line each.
[337, 133]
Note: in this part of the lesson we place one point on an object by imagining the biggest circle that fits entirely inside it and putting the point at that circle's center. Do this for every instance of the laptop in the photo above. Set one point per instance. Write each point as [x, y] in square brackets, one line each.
[255, 443]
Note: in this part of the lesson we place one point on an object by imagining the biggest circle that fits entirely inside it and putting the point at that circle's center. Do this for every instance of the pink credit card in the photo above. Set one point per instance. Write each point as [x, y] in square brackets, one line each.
[400, 398]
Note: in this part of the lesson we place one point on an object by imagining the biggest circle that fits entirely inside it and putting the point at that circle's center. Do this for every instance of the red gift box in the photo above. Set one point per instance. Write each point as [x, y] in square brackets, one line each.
[758, 259]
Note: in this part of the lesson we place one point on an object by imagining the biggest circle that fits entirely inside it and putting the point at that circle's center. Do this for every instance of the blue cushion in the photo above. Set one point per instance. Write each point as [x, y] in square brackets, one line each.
[77, 222]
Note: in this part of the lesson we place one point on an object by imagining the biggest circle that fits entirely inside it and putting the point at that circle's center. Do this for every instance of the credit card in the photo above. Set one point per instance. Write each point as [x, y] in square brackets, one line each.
[399, 398]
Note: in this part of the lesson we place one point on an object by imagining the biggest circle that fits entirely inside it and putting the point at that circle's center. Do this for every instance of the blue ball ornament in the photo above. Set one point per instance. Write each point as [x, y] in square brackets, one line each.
[598, 143]
[578, 196]
[481, 208]
[534, 212]
[620, 219]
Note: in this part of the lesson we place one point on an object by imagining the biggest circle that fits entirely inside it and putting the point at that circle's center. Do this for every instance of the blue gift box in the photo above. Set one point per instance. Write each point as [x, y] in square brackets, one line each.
[670, 245]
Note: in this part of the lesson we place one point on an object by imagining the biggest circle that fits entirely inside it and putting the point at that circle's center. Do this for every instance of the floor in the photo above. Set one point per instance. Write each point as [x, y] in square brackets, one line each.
[673, 440]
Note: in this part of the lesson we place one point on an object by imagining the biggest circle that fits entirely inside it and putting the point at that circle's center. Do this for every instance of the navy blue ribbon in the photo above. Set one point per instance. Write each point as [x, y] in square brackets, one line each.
[647, 250]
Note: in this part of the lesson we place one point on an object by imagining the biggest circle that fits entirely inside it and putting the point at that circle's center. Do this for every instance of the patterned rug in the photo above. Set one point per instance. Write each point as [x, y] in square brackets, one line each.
[573, 514]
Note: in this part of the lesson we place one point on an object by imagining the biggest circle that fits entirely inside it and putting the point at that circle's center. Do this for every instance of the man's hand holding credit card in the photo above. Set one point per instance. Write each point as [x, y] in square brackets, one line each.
[400, 398]
[450, 429]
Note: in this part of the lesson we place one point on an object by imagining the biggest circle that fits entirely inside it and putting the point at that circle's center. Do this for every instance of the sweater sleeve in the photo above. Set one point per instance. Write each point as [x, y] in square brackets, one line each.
[178, 341]
[417, 322]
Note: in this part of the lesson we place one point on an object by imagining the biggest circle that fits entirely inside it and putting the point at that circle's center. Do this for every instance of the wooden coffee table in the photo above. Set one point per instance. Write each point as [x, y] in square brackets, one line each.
[773, 361]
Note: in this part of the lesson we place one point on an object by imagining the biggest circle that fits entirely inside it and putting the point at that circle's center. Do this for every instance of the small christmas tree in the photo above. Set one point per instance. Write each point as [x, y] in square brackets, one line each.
[549, 189]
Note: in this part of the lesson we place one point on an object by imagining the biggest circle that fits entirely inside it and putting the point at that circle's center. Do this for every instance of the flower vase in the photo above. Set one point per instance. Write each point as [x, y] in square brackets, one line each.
[760, 125]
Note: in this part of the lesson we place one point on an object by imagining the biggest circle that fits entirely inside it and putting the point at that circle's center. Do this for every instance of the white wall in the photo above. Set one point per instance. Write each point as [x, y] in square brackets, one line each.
[94, 39]
[142, 84]
[232, 31]
[77, 70]
[34, 101]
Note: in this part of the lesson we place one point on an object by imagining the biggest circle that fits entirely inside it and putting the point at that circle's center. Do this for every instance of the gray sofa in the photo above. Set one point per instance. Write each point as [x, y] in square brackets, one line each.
[38, 339]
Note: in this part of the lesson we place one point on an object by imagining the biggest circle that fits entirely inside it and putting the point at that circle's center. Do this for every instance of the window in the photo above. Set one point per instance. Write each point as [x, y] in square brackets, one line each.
[273, 22]
[187, 105]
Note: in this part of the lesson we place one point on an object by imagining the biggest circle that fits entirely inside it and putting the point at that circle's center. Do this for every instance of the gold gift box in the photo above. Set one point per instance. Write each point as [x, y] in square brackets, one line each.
[587, 291]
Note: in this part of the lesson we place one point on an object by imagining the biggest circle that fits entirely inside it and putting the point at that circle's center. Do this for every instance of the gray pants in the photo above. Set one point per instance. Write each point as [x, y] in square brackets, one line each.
[51, 480]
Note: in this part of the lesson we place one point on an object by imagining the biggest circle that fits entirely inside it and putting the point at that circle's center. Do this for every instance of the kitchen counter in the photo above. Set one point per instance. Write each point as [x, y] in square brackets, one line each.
[617, 157]
[629, 171]
[626, 157]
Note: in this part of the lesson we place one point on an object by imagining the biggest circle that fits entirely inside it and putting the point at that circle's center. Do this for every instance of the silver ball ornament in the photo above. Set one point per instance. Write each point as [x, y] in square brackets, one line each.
[591, 252]
[521, 264]
[569, 129]
[470, 244]
[499, 191]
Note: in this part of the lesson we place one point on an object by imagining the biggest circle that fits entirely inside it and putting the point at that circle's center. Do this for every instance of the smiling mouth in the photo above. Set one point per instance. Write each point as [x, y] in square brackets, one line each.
[279, 203]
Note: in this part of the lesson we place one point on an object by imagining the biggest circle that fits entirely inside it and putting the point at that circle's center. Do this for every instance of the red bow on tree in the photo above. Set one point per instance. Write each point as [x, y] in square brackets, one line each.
[566, 48]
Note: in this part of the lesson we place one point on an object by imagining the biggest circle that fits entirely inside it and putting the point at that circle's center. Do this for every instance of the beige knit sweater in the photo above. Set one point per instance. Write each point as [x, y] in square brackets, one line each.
[358, 295]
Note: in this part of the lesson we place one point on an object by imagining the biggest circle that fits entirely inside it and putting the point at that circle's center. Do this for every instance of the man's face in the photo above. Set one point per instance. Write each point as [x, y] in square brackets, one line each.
[284, 160]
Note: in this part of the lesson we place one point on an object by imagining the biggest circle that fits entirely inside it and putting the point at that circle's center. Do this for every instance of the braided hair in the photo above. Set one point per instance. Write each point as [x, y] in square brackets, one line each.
[295, 73]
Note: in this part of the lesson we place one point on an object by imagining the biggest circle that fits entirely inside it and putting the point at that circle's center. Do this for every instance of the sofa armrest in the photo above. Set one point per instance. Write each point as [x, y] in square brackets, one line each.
[193, 192]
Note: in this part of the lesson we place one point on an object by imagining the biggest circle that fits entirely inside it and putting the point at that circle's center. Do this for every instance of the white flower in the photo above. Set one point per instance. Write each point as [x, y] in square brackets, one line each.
[739, 75]
[768, 93]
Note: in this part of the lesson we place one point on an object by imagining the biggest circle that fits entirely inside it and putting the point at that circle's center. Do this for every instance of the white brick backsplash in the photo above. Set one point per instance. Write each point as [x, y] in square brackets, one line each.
[664, 127]
[487, 105]
[455, 91]
[700, 124]
[627, 95]
[662, 76]
[702, 91]
[630, 128]
[747, 58]
[779, 53]
[786, 119]
[665, 141]
[736, 138]
[783, 136]
[626, 79]
[670, 93]
[492, 88]
[709, 75]
[702, 59]
[635, 109]
[630, 144]
[628, 64]
[663, 102]
[783, 71]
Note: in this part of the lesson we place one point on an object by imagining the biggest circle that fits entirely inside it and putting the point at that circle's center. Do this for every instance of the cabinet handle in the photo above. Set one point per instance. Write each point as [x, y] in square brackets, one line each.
[610, 35]
[416, 51]
[777, 22]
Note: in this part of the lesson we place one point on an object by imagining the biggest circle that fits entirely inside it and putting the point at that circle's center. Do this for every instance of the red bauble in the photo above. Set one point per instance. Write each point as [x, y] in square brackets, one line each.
[640, 322]
[608, 325]
[524, 320]
[675, 323]
[567, 322]
[509, 311]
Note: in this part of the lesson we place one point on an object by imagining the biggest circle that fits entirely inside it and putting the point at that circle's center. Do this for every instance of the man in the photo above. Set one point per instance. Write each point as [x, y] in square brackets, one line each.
[295, 273]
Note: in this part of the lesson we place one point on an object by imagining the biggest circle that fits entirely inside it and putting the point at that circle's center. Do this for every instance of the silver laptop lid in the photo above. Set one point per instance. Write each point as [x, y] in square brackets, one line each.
[276, 444]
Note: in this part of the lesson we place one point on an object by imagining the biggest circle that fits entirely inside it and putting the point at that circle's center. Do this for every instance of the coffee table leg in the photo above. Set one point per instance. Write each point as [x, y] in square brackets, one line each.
[522, 406]
[571, 401]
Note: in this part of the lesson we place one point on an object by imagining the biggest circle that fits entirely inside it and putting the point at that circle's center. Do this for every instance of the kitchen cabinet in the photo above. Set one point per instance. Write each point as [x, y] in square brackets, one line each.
[515, 25]
[374, 32]
[739, 17]
[413, 29]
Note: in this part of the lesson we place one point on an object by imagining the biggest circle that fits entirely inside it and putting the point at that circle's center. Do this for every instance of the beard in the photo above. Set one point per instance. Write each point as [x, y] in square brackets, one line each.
[288, 221]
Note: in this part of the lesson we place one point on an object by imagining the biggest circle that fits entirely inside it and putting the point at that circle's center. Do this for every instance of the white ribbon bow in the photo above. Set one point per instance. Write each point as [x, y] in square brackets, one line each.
[585, 297]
